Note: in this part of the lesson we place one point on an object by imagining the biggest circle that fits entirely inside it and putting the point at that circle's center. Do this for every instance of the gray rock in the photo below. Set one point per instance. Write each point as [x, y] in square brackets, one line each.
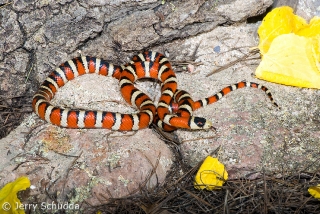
[28, 6]
[66, 30]
[308, 9]
[32, 21]
[241, 10]
[82, 165]
[13, 74]
[10, 32]
[135, 32]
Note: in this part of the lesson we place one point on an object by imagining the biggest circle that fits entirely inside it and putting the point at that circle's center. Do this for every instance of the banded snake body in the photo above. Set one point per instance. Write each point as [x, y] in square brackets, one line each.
[145, 65]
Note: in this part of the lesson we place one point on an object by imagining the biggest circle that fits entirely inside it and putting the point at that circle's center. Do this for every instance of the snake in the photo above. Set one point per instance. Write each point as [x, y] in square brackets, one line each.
[174, 110]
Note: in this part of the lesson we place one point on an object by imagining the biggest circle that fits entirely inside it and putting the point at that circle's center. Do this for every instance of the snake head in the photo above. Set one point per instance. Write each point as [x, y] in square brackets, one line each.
[199, 123]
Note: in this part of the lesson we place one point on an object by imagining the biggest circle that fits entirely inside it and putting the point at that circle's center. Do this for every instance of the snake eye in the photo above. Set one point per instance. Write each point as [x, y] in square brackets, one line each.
[199, 121]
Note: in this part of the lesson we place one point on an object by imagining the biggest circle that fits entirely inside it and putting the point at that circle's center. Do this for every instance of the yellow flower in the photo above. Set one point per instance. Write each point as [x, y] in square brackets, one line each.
[211, 175]
[279, 21]
[315, 191]
[290, 49]
[9, 203]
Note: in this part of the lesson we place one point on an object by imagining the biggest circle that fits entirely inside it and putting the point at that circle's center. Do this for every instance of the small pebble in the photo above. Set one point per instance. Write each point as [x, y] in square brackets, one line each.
[216, 49]
[190, 68]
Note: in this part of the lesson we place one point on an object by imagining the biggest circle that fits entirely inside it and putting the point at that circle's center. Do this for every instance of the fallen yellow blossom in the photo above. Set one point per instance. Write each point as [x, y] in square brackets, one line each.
[211, 174]
[279, 21]
[9, 203]
[290, 49]
[315, 191]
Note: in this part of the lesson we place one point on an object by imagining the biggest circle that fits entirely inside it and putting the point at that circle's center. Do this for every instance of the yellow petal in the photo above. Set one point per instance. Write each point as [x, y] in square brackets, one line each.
[313, 29]
[211, 175]
[9, 203]
[291, 60]
[315, 191]
[279, 21]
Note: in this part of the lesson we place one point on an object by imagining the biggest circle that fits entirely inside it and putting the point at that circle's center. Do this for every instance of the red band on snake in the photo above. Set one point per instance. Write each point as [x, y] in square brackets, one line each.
[147, 65]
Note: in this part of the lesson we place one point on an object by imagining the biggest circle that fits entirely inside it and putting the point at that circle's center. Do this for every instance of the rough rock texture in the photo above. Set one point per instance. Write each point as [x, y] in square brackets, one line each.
[13, 72]
[255, 135]
[84, 165]
[308, 9]
[10, 32]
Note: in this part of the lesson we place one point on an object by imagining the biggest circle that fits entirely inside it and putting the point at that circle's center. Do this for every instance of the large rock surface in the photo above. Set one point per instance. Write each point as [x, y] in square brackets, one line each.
[93, 165]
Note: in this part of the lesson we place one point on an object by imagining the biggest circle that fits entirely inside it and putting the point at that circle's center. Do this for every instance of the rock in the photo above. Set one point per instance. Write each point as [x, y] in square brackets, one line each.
[59, 34]
[129, 36]
[290, 3]
[308, 9]
[83, 164]
[14, 73]
[26, 6]
[66, 30]
[12, 37]
[253, 134]
[190, 18]
[241, 10]
[33, 20]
